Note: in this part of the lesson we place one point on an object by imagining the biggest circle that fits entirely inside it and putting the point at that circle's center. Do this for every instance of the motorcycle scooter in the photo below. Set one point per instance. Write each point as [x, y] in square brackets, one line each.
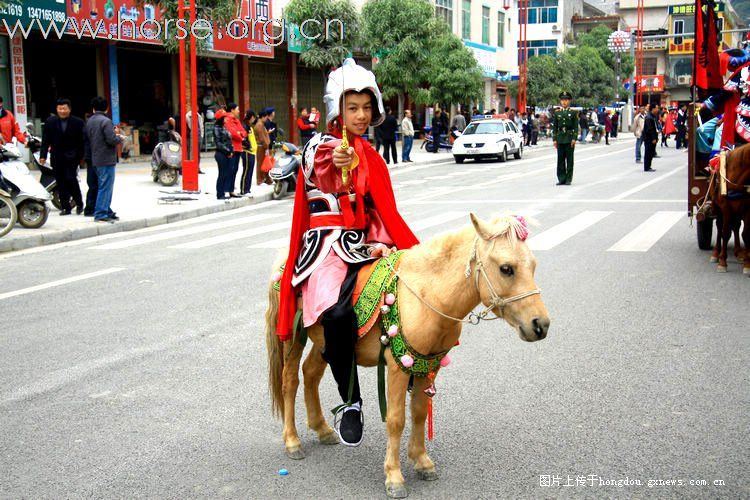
[47, 179]
[8, 211]
[166, 160]
[443, 143]
[26, 193]
[284, 172]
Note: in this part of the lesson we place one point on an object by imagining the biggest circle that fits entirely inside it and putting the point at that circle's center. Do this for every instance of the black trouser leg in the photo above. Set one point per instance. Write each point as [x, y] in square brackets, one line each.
[62, 186]
[71, 174]
[392, 145]
[387, 151]
[93, 183]
[649, 154]
[569, 164]
[340, 332]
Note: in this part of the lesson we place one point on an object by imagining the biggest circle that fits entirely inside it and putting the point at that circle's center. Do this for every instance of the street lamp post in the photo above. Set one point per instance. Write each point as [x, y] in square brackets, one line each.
[618, 42]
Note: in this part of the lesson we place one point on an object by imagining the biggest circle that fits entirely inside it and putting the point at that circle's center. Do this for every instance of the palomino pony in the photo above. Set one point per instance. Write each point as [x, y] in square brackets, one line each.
[486, 263]
[733, 208]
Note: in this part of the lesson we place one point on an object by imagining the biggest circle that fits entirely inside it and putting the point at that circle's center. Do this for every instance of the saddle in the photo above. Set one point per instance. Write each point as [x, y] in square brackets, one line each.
[369, 294]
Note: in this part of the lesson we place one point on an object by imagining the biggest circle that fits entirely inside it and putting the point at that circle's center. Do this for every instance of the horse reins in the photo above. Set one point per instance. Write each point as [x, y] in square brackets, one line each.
[495, 301]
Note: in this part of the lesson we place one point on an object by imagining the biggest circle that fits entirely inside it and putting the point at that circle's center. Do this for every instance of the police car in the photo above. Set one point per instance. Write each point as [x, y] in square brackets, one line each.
[489, 138]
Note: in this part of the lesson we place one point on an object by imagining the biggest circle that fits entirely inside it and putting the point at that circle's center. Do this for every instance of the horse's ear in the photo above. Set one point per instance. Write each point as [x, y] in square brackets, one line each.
[481, 227]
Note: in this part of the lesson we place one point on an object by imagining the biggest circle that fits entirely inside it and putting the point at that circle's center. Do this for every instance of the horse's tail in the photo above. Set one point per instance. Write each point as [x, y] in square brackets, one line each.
[274, 347]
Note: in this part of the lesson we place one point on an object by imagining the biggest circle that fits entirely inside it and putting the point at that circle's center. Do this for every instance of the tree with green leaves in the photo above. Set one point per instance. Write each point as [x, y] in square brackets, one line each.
[326, 50]
[455, 75]
[398, 33]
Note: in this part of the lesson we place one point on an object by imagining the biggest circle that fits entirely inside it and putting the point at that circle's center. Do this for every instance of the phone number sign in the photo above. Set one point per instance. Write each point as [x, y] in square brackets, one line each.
[26, 11]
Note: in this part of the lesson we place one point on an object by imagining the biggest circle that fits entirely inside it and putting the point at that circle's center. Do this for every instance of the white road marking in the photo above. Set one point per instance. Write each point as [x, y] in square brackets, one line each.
[438, 177]
[413, 182]
[61, 282]
[224, 238]
[647, 184]
[145, 230]
[552, 237]
[272, 244]
[436, 220]
[642, 238]
[167, 235]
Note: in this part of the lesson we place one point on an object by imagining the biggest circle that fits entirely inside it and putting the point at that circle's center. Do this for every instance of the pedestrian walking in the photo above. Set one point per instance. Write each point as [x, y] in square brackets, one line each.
[607, 127]
[638, 123]
[306, 126]
[681, 125]
[615, 123]
[103, 137]
[459, 122]
[663, 128]
[436, 131]
[224, 154]
[92, 181]
[564, 134]
[263, 148]
[271, 125]
[583, 123]
[534, 129]
[249, 148]
[407, 131]
[9, 126]
[62, 137]
[388, 130]
[650, 136]
[233, 124]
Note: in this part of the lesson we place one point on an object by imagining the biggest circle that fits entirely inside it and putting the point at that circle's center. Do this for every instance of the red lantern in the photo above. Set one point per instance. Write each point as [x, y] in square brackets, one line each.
[506, 4]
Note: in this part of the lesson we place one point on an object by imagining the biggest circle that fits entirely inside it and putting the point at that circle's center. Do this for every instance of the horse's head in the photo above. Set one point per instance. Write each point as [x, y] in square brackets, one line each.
[502, 269]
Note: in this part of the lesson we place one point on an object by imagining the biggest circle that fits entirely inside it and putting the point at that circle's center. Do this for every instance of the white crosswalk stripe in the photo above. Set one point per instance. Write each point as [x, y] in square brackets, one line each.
[554, 236]
[189, 231]
[225, 238]
[642, 238]
[437, 220]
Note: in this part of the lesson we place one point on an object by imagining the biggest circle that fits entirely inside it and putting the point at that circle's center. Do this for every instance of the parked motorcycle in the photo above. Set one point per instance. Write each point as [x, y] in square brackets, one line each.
[8, 211]
[47, 179]
[26, 193]
[284, 172]
[444, 142]
[166, 160]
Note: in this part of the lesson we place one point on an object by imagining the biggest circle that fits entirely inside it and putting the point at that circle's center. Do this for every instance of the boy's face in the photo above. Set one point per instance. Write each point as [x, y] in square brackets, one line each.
[358, 112]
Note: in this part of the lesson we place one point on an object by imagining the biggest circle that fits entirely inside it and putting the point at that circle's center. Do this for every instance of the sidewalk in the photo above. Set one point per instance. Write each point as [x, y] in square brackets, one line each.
[137, 202]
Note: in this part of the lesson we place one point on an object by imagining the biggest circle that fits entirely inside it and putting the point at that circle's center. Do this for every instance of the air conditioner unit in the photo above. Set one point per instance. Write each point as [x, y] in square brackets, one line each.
[555, 28]
[683, 80]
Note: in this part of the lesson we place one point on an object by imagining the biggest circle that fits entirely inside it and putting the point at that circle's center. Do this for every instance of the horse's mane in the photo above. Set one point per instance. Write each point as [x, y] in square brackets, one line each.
[513, 227]
[738, 165]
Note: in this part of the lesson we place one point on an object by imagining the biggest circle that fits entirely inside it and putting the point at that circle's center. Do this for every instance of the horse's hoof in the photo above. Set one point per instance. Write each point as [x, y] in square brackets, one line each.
[295, 453]
[427, 475]
[721, 269]
[746, 271]
[713, 260]
[329, 439]
[396, 491]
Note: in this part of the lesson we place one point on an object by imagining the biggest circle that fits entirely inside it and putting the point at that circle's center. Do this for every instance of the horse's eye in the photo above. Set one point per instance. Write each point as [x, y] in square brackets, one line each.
[506, 270]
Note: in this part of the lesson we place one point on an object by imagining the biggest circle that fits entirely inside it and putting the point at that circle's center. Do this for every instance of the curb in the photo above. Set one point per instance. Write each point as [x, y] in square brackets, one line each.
[64, 235]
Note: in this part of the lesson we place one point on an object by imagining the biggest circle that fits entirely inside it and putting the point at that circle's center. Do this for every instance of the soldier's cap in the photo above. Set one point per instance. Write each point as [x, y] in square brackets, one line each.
[565, 95]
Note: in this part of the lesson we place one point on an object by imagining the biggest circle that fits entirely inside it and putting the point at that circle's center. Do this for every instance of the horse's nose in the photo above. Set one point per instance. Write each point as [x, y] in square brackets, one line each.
[541, 325]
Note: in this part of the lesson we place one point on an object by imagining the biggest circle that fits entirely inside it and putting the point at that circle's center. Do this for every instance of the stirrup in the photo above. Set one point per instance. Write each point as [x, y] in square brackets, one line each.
[338, 418]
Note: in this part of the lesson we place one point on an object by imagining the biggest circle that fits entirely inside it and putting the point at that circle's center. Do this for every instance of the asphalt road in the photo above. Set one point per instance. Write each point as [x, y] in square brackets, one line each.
[148, 377]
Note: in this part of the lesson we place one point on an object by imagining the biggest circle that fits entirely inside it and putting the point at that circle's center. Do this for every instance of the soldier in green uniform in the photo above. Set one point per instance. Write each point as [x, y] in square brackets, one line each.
[564, 133]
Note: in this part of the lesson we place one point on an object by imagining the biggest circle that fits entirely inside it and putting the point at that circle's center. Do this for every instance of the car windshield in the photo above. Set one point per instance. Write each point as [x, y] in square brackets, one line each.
[484, 128]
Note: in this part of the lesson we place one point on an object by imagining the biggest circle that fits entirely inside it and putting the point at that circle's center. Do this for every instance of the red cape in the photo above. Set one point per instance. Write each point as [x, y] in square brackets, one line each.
[373, 166]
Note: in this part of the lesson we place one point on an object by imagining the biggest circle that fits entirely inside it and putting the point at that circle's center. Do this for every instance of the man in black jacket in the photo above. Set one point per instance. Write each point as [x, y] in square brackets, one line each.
[63, 137]
[388, 130]
[650, 135]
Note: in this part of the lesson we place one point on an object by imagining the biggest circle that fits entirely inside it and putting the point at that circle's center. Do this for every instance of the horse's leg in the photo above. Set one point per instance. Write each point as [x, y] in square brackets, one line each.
[746, 239]
[417, 451]
[738, 251]
[313, 369]
[290, 382]
[715, 254]
[395, 420]
[726, 233]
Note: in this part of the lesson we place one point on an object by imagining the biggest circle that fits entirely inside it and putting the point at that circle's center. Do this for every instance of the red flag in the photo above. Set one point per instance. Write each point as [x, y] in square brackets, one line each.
[706, 72]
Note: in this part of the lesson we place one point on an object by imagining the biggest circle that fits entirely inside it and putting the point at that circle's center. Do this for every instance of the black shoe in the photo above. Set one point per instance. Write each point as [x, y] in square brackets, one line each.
[649, 170]
[106, 219]
[87, 214]
[560, 184]
[114, 217]
[349, 425]
[65, 212]
[79, 210]
[567, 183]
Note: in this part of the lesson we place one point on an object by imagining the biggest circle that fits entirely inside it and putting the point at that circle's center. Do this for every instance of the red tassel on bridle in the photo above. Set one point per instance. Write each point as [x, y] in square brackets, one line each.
[430, 423]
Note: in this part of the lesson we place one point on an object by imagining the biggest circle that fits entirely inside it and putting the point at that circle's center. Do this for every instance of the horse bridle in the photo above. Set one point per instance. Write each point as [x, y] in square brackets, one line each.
[495, 299]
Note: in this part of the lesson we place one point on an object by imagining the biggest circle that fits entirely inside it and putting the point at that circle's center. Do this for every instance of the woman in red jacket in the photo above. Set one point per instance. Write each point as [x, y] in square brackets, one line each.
[233, 124]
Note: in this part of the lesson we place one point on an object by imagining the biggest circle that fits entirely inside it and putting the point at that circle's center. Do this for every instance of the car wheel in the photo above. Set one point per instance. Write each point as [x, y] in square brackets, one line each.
[458, 158]
[519, 153]
[504, 155]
